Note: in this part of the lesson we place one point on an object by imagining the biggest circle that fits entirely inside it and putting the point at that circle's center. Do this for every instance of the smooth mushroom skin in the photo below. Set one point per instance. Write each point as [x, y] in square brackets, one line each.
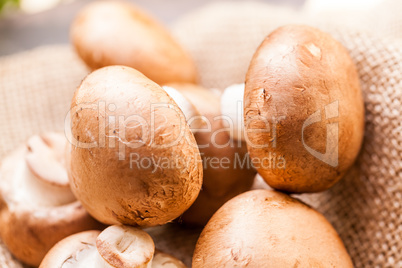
[303, 83]
[226, 177]
[164, 260]
[37, 212]
[108, 33]
[265, 228]
[143, 167]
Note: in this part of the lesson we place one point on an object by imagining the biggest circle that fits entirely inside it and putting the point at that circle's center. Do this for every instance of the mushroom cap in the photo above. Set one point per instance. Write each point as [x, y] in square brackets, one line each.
[108, 33]
[37, 208]
[223, 181]
[303, 107]
[265, 228]
[143, 167]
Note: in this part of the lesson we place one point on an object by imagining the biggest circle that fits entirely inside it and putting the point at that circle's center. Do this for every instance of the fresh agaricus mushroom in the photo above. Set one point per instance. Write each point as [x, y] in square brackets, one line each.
[37, 207]
[226, 166]
[134, 161]
[232, 108]
[265, 228]
[117, 246]
[108, 33]
[303, 107]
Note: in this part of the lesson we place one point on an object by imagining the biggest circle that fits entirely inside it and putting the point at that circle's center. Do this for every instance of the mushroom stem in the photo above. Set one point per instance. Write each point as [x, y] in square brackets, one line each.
[88, 257]
[36, 180]
[232, 108]
[45, 157]
[187, 107]
[117, 246]
[37, 206]
[125, 246]
[37, 192]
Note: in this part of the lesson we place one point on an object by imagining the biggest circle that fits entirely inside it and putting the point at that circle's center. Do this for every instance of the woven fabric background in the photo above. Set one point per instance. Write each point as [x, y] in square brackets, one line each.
[365, 207]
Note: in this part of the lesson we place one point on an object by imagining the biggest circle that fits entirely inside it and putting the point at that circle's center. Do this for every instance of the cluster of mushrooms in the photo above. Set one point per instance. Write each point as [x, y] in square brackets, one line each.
[141, 132]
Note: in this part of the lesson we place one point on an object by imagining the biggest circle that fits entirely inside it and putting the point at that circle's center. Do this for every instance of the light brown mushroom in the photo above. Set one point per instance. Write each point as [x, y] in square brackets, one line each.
[136, 163]
[117, 246]
[226, 166]
[37, 207]
[303, 107]
[265, 228]
[108, 33]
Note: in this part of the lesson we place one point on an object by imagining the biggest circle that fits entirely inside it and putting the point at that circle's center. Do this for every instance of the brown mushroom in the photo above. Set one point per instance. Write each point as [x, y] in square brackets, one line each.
[134, 161]
[303, 107]
[226, 166]
[37, 207]
[108, 33]
[265, 228]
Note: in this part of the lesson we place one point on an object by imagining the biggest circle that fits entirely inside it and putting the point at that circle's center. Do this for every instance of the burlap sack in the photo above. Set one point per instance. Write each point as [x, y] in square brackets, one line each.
[365, 207]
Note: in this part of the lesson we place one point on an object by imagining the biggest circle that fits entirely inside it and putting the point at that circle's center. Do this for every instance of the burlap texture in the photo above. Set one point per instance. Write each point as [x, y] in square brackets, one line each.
[365, 207]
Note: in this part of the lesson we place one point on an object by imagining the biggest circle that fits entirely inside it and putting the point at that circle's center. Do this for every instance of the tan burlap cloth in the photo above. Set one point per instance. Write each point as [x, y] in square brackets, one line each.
[365, 207]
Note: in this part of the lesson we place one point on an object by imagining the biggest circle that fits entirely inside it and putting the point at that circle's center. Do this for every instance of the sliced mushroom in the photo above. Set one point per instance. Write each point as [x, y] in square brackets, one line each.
[117, 246]
[224, 174]
[37, 207]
